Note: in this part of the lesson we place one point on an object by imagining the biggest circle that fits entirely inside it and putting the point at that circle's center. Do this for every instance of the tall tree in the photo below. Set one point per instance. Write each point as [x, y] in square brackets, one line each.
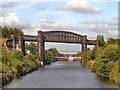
[101, 39]
[5, 33]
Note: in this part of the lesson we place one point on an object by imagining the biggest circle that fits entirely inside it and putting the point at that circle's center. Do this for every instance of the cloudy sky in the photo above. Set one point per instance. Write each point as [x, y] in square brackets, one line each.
[79, 16]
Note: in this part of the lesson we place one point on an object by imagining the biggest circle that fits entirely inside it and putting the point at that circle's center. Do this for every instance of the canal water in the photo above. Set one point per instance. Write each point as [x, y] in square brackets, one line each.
[62, 75]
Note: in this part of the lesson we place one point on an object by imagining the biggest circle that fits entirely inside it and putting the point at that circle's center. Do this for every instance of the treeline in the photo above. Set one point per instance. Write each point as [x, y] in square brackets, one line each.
[105, 61]
[7, 32]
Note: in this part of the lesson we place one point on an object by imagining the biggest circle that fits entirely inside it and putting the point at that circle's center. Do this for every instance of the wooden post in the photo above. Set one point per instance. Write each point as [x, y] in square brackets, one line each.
[41, 47]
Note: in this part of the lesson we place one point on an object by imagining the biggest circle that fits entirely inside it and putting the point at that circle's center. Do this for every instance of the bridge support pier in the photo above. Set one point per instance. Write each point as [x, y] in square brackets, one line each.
[20, 42]
[13, 43]
[23, 47]
[84, 46]
[40, 43]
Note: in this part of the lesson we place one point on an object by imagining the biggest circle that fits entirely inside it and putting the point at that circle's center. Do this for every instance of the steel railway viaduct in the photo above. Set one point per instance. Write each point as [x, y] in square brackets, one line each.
[51, 36]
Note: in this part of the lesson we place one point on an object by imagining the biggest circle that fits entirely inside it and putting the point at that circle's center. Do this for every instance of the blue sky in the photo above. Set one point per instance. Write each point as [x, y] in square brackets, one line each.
[80, 16]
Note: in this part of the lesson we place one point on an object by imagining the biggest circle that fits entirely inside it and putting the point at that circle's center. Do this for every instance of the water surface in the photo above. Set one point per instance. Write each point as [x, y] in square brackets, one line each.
[62, 75]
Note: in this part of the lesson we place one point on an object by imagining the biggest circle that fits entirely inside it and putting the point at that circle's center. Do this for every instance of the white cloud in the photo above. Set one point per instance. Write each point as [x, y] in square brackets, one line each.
[93, 27]
[49, 24]
[11, 20]
[113, 33]
[8, 5]
[50, 12]
[26, 5]
[43, 8]
[80, 6]
[116, 18]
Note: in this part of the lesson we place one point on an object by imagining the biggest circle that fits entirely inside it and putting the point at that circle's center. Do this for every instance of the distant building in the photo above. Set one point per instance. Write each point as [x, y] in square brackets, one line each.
[70, 58]
[27, 51]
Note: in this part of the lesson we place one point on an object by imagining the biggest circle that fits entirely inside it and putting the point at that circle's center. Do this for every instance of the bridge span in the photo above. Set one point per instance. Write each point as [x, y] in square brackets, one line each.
[51, 36]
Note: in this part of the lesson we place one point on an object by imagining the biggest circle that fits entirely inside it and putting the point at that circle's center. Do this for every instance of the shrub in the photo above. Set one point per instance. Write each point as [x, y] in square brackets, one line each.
[48, 57]
[54, 51]
[79, 54]
[18, 54]
[105, 59]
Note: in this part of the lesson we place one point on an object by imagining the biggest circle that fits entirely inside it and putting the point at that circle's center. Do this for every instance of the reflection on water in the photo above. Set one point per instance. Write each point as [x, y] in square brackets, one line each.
[62, 75]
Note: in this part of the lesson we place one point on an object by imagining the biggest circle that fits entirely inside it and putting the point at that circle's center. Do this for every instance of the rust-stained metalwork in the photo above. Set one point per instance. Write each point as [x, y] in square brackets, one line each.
[62, 36]
[52, 36]
[30, 38]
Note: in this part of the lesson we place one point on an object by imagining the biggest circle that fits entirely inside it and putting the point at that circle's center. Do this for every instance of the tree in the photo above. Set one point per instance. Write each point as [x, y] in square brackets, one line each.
[33, 48]
[101, 39]
[106, 58]
[6, 33]
[113, 41]
[94, 52]
[48, 57]
[17, 31]
[54, 51]
[26, 46]
[79, 54]
[18, 54]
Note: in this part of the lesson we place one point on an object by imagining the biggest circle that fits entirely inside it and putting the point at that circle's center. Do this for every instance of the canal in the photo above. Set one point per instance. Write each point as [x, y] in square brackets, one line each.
[61, 75]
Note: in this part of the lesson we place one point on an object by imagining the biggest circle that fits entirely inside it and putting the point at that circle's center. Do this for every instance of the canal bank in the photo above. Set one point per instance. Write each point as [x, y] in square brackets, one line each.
[62, 75]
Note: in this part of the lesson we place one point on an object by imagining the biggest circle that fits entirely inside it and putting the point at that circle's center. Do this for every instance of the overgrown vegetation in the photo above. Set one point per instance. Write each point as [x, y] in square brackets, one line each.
[15, 64]
[32, 47]
[105, 61]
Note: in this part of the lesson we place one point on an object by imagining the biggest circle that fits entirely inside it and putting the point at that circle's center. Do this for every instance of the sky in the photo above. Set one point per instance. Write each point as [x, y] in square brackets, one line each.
[84, 17]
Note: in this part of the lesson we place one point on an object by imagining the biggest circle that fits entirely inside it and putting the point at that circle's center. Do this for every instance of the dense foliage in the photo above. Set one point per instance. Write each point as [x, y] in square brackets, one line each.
[105, 61]
[14, 64]
[49, 57]
[54, 51]
[32, 47]
[79, 54]
[6, 33]
[101, 39]
[17, 54]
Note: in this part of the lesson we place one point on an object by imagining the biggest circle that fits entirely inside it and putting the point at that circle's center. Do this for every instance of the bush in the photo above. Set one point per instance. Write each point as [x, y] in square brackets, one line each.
[79, 54]
[54, 51]
[114, 73]
[18, 54]
[87, 56]
[105, 59]
[94, 52]
[48, 57]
